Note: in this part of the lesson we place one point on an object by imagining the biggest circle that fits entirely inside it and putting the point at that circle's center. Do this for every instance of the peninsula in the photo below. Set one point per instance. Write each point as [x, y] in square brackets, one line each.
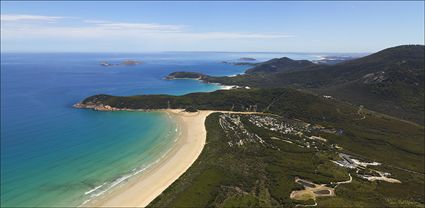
[287, 144]
[184, 75]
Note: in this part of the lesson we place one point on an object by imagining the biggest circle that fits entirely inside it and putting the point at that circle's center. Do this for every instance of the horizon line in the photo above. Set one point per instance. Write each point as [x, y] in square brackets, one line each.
[171, 51]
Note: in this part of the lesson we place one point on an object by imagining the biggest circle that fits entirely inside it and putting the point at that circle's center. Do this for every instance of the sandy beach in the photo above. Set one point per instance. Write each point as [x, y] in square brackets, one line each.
[150, 184]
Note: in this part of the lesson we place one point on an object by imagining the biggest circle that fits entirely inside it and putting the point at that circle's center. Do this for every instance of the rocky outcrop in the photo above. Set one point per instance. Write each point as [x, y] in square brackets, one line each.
[376, 77]
[98, 107]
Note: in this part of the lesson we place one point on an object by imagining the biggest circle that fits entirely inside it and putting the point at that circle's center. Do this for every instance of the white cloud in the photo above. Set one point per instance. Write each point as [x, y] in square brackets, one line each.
[96, 21]
[130, 30]
[109, 25]
[53, 28]
[24, 17]
[140, 26]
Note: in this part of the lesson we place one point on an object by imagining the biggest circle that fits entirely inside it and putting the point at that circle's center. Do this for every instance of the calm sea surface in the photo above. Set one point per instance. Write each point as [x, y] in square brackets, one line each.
[55, 155]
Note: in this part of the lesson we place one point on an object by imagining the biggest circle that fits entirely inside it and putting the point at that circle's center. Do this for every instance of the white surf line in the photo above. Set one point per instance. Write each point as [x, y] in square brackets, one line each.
[125, 177]
[94, 189]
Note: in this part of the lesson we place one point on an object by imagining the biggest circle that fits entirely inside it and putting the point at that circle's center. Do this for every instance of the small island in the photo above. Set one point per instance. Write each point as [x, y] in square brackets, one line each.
[105, 63]
[130, 62]
[244, 61]
[247, 59]
[125, 63]
[184, 75]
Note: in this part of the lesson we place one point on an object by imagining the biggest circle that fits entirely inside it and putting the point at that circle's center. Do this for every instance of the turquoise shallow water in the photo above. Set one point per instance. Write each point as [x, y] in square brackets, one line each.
[55, 155]
[74, 162]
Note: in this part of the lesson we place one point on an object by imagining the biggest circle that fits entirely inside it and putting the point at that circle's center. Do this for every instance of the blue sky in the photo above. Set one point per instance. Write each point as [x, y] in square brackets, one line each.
[209, 26]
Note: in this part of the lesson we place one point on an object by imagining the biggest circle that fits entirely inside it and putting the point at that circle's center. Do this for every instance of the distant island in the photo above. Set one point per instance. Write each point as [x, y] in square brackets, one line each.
[247, 59]
[125, 63]
[130, 62]
[184, 75]
[105, 63]
[242, 61]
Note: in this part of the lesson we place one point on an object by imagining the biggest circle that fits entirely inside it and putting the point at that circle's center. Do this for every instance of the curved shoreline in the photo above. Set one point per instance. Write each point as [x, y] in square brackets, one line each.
[143, 189]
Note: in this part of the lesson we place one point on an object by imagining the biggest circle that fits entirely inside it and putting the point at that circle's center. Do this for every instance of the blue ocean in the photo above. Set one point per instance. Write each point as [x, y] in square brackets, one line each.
[55, 155]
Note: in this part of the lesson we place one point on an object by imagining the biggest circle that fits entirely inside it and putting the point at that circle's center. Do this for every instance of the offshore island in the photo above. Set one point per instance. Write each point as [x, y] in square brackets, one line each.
[302, 134]
[123, 63]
